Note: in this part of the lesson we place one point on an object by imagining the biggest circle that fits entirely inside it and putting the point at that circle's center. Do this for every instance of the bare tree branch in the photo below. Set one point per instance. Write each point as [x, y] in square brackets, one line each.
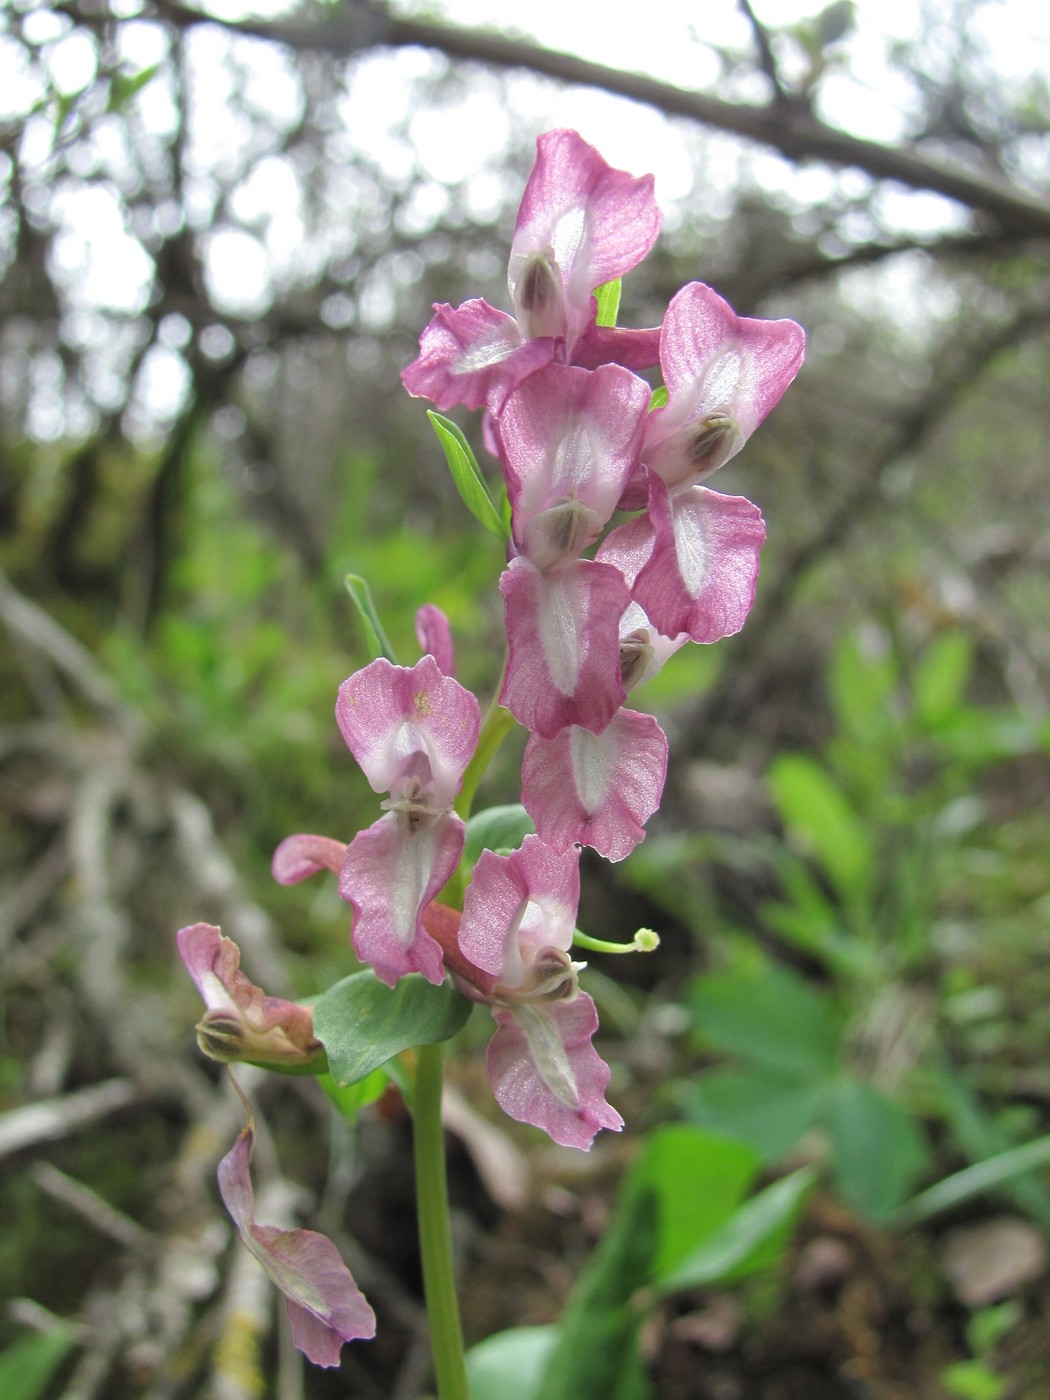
[788, 127]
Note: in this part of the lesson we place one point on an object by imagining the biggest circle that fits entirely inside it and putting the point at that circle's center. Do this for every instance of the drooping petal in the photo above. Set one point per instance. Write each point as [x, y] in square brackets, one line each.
[571, 439]
[618, 345]
[545, 1071]
[300, 856]
[580, 224]
[391, 872]
[563, 663]
[516, 907]
[412, 730]
[472, 355]
[723, 374]
[435, 637]
[325, 1306]
[241, 1022]
[701, 576]
[596, 789]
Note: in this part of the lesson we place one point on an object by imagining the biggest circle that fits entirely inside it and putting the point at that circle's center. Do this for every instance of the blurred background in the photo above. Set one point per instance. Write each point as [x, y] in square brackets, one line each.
[220, 235]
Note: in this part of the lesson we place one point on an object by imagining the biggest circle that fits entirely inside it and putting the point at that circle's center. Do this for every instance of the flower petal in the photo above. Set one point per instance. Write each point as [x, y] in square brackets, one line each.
[596, 789]
[300, 856]
[563, 665]
[391, 872]
[545, 1071]
[472, 355]
[435, 637]
[325, 1306]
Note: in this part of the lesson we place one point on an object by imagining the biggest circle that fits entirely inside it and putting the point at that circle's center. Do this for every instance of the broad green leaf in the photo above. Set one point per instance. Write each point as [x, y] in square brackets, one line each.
[940, 679]
[699, 1178]
[608, 298]
[363, 1023]
[771, 1017]
[497, 829]
[375, 637]
[877, 1152]
[819, 817]
[751, 1240]
[350, 1099]
[467, 475]
[28, 1364]
[768, 1112]
[510, 1365]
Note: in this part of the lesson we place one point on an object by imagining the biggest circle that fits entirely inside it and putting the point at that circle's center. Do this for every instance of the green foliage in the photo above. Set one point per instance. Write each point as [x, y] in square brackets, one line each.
[28, 1364]
[510, 1365]
[496, 829]
[608, 299]
[362, 1023]
[470, 483]
[375, 638]
[683, 1219]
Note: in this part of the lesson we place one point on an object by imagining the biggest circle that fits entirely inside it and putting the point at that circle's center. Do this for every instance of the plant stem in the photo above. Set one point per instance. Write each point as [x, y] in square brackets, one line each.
[435, 1234]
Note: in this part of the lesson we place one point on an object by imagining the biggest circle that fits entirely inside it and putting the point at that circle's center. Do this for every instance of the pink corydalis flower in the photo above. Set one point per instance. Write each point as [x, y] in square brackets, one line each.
[596, 789]
[413, 732]
[570, 439]
[324, 1305]
[515, 935]
[563, 659]
[242, 1023]
[723, 374]
[581, 224]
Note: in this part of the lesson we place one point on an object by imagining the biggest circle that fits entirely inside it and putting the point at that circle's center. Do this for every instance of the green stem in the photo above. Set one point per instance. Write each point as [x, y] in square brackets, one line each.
[496, 726]
[435, 1234]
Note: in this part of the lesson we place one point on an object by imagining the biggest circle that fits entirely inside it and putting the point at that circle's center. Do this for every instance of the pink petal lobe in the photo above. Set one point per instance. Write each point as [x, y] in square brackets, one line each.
[435, 637]
[325, 1306]
[391, 872]
[409, 728]
[596, 789]
[517, 906]
[583, 223]
[300, 856]
[545, 1071]
[563, 665]
[701, 576]
[472, 355]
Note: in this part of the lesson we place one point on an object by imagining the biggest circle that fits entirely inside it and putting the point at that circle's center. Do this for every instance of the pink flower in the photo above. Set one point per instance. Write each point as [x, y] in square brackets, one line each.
[596, 789]
[241, 1022]
[515, 935]
[563, 664]
[723, 374]
[325, 1306]
[413, 731]
[581, 224]
[570, 439]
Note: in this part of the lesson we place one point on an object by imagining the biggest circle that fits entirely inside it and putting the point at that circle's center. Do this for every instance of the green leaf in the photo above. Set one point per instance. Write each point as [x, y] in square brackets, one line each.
[769, 1112]
[497, 829]
[862, 680]
[819, 817]
[698, 1178]
[972, 1380]
[467, 475]
[877, 1152]
[510, 1365]
[597, 1356]
[941, 677]
[350, 1099]
[363, 1023]
[375, 637]
[659, 398]
[770, 1017]
[608, 298]
[28, 1364]
[124, 86]
[751, 1240]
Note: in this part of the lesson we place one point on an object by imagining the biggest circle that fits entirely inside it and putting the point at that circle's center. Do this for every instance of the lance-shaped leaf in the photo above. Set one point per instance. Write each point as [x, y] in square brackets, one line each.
[467, 475]
[376, 638]
[363, 1024]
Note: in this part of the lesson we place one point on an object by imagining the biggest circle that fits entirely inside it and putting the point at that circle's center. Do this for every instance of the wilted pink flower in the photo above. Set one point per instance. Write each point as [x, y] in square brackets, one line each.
[325, 1306]
[515, 935]
[596, 789]
[413, 731]
[241, 1022]
[581, 224]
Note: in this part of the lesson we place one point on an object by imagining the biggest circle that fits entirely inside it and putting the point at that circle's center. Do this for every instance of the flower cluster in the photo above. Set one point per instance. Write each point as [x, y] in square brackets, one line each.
[593, 608]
